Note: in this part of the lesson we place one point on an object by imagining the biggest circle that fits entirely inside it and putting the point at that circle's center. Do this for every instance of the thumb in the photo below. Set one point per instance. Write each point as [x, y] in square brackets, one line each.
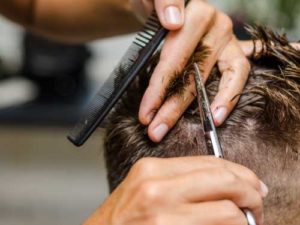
[170, 13]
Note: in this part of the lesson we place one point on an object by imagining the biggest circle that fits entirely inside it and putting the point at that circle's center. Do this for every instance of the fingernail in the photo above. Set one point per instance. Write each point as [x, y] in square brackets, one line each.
[264, 189]
[220, 115]
[160, 131]
[173, 15]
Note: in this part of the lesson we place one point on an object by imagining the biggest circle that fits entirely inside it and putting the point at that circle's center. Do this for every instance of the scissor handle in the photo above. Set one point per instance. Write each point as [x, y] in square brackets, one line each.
[249, 216]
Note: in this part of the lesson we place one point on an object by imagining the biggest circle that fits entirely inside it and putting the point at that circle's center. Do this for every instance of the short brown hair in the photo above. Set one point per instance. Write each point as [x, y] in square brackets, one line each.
[262, 132]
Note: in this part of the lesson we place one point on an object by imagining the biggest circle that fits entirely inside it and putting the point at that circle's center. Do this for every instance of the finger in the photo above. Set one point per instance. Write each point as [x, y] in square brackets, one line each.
[173, 108]
[212, 185]
[296, 45]
[223, 212]
[248, 47]
[170, 13]
[148, 168]
[171, 111]
[235, 69]
[222, 27]
[175, 53]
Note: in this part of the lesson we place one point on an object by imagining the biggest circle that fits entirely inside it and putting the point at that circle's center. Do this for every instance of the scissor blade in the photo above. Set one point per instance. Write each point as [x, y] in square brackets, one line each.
[211, 137]
[212, 140]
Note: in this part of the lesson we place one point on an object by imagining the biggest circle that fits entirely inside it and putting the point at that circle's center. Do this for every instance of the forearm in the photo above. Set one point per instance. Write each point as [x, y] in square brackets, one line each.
[20, 11]
[72, 21]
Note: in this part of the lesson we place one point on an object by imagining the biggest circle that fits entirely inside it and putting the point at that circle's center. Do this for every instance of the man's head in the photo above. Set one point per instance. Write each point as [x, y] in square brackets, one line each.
[262, 133]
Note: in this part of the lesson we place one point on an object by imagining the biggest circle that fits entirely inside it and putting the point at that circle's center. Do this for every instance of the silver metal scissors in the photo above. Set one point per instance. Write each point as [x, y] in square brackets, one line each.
[211, 137]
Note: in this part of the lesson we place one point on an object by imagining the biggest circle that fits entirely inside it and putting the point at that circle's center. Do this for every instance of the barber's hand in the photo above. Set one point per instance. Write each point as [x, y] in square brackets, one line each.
[189, 190]
[198, 22]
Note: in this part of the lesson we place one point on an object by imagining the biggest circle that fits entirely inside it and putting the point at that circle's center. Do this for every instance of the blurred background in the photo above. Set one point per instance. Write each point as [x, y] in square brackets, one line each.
[44, 87]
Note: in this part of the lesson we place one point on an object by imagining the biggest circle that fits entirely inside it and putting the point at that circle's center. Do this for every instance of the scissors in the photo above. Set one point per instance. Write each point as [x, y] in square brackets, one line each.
[210, 133]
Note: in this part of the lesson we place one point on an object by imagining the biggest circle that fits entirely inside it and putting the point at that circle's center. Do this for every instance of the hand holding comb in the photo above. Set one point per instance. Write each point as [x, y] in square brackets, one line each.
[145, 44]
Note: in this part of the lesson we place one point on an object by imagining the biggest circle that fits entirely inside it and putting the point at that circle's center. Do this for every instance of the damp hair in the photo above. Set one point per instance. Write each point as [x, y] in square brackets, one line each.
[262, 132]
[271, 99]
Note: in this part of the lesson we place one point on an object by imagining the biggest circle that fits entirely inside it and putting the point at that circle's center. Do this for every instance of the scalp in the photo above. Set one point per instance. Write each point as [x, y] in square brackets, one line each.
[262, 133]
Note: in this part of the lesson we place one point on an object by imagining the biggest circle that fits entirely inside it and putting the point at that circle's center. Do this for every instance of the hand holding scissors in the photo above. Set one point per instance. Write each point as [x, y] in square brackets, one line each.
[211, 137]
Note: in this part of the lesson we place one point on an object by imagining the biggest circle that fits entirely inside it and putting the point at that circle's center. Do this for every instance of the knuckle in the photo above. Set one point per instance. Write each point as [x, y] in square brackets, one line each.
[143, 167]
[228, 177]
[149, 192]
[226, 23]
[252, 177]
[244, 62]
[207, 15]
[210, 13]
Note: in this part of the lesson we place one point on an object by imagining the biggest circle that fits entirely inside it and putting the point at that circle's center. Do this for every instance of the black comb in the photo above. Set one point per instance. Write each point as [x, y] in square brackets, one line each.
[145, 44]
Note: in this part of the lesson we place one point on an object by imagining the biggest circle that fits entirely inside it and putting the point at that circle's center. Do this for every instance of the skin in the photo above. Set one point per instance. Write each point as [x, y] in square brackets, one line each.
[148, 196]
[249, 137]
[69, 22]
[211, 24]
[87, 20]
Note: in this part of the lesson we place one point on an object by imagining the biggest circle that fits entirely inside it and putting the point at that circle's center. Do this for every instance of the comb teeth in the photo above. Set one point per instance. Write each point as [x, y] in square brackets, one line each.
[144, 45]
[149, 30]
